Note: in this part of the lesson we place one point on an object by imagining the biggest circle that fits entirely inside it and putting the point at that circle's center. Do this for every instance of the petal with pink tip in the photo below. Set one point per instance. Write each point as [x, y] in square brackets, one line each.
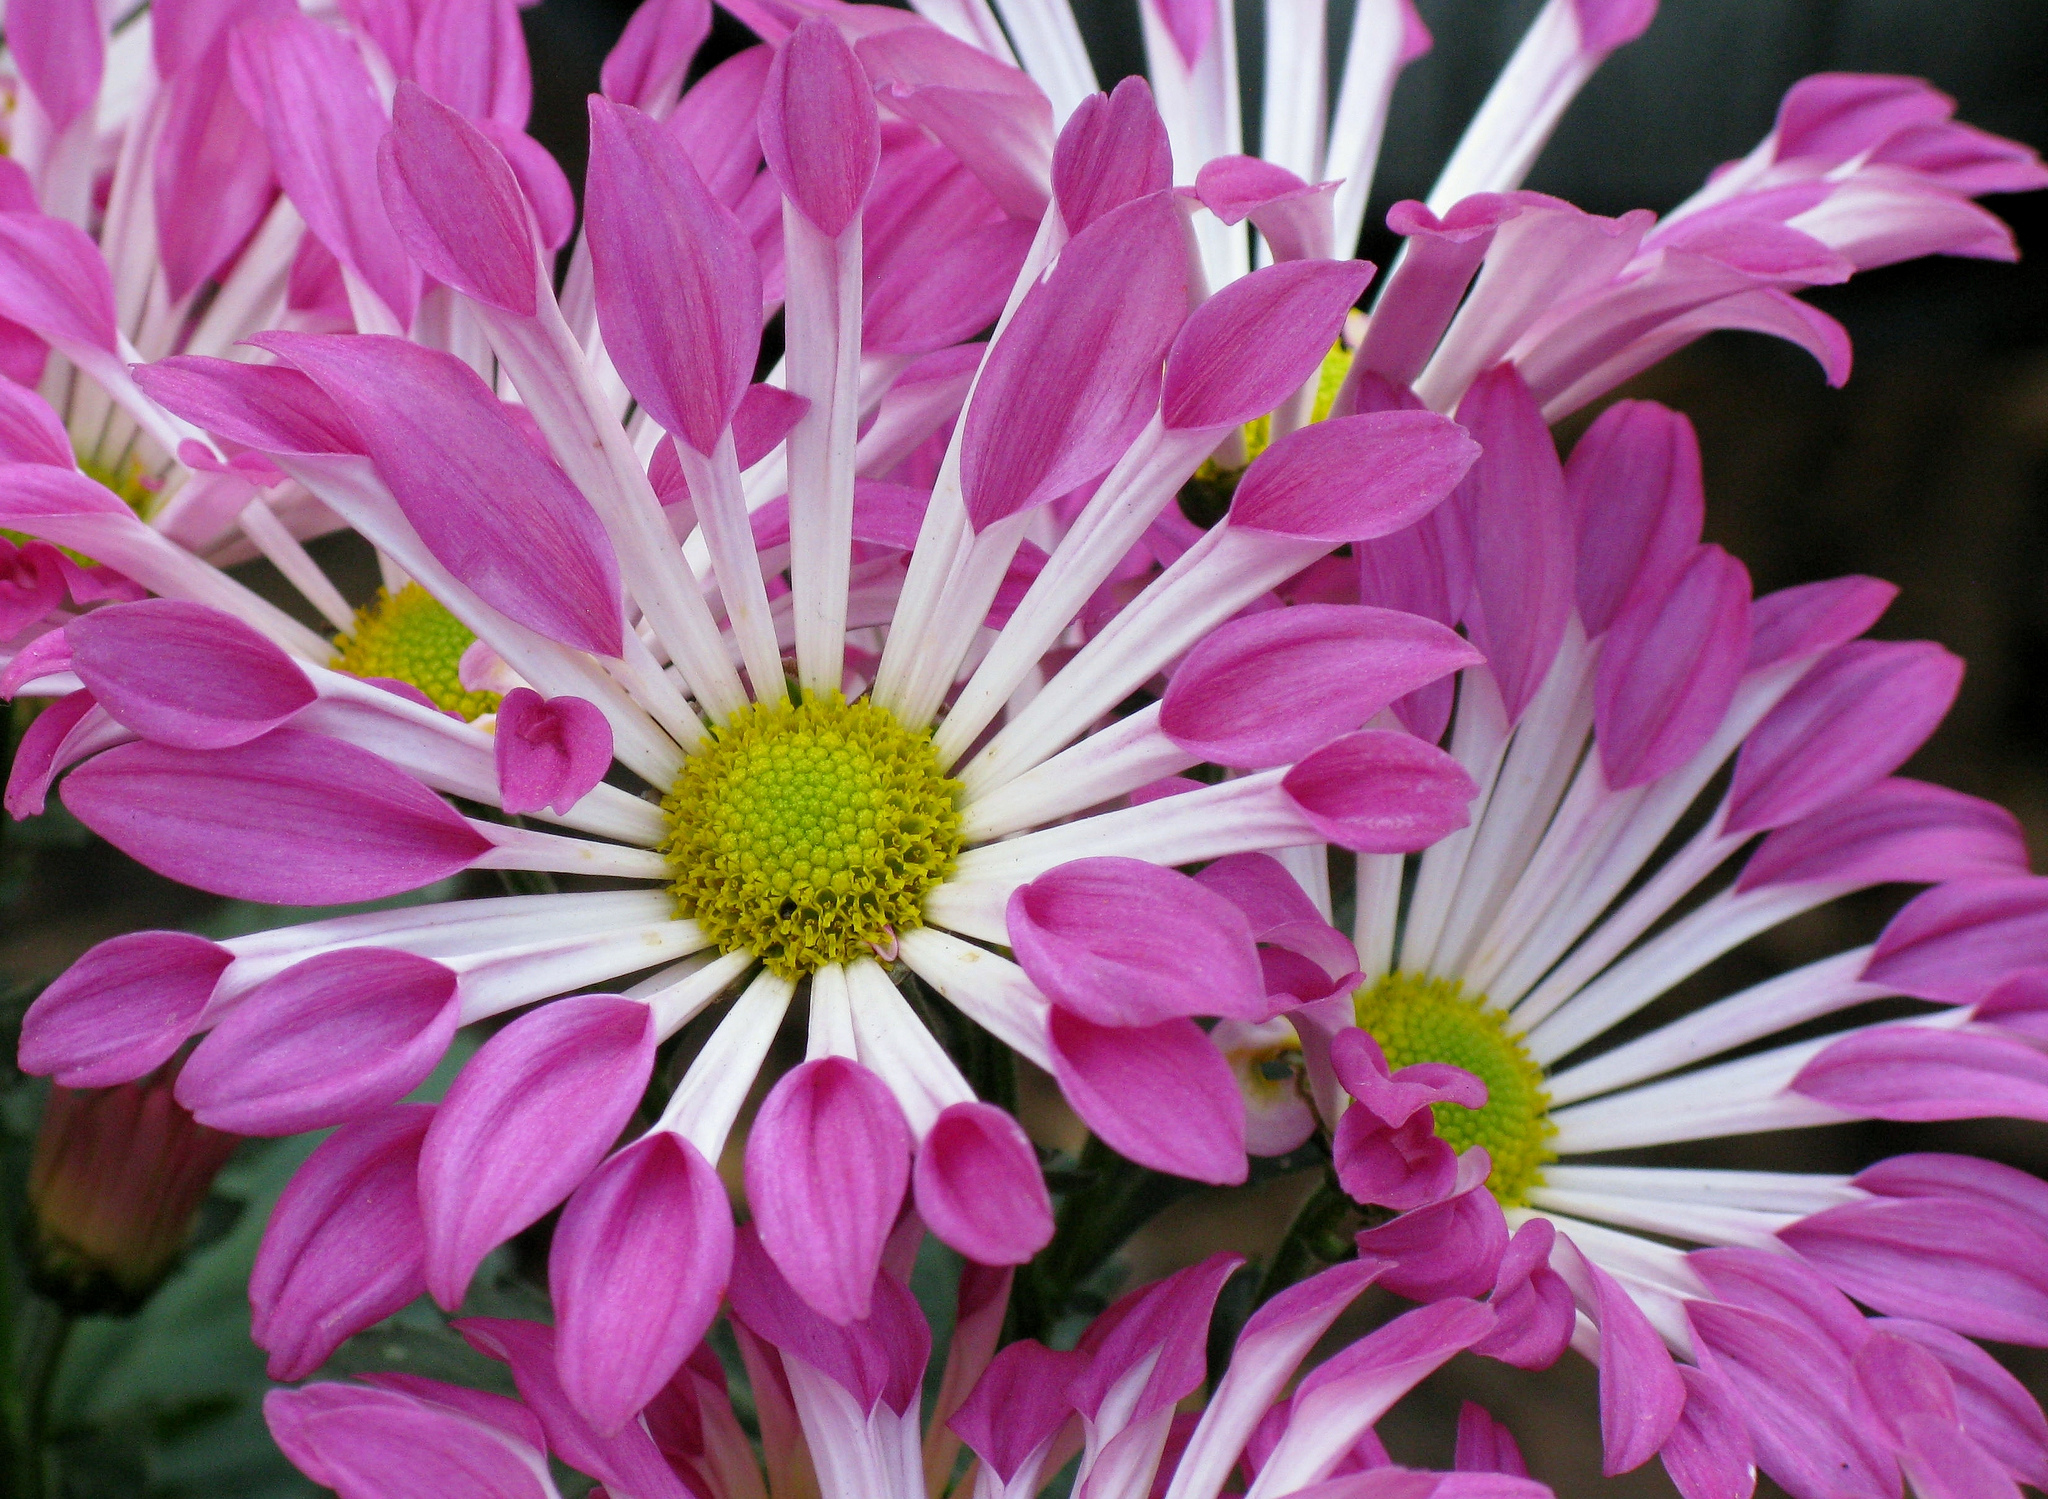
[1968, 1178]
[1381, 792]
[211, 150]
[1353, 478]
[491, 508]
[1278, 909]
[472, 57]
[319, 107]
[550, 751]
[1452, 1248]
[1853, 719]
[57, 739]
[1018, 1404]
[1513, 507]
[185, 675]
[1532, 1304]
[678, 287]
[626, 1463]
[270, 407]
[1895, 830]
[391, 1445]
[31, 585]
[1957, 942]
[1159, 1095]
[541, 179]
[1707, 1453]
[990, 115]
[326, 1041]
[55, 282]
[1913, 1073]
[455, 202]
[1641, 1395]
[1268, 688]
[1997, 1411]
[1122, 942]
[1296, 218]
[1112, 149]
[639, 1262]
[292, 818]
[819, 128]
[60, 48]
[1670, 667]
[344, 1245]
[827, 1163]
[978, 1186]
[1250, 347]
[30, 431]
[1075, 375]
[1637, 504]
[1485, 1445]
[647, 64]
[122, 1009]
[1814, 617]
[525, 1122]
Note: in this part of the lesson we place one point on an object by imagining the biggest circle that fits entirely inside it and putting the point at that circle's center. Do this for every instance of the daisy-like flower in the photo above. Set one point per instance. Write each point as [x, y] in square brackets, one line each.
[204, 173]
[803, 826]
[840, 1411]
[1640, 722]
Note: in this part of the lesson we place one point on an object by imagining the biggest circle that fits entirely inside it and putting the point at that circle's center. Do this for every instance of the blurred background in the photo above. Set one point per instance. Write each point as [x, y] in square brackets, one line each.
[1930, 469]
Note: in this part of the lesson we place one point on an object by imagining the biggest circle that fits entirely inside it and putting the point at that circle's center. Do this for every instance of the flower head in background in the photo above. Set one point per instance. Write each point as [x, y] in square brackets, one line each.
[1640, 721]
[840, 1409]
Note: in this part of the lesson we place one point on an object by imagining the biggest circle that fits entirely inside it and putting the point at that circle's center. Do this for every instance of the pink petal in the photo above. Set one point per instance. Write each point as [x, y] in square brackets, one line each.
[1956, 942]
[1963, 1177]
[1112, 149]
[1670, 667]
[1159, 1095]
[271, 407]
[1439, 259]
[1401, 1168]
[528, 1118]
[827, 1163]
[55, 282]
[639, 1262]
[645, 68]
[1997, 1411]
[1381, 792]
[550, 751]
[1978, 1269]
[934, 292]
[1485, 1445]
[717, 123]
[1895, 830]
[1268, 688]
[1164, 1324]
[1449, 1249]
[472, 57]
[1295, 218]
[1852, 720]
[1353, 478]
[212, 151]
[1513, 506]
[1707, 1454]
[31, 585]
[1814, 617]
[1785, 1287]
[1075, 375]
[626, 1463]
[978, 1186]
[454, 201]
[60, 47]
[30, 431]
[344, 1246]
[1641, 1395]
[1913, 1073]
[1532, 1305]
[491, 508]
[1121, 942]
[328, 1040]
[988, 114]
[1250, 347]
[1278, 909]
[57, 738]
[541, 180]
[819, 129]
[122, 1010]
[388, 1444]
[1637, 504]
[185, 675]
[1018, 1405]
[321, 115]
[292, 818]
[678, 287]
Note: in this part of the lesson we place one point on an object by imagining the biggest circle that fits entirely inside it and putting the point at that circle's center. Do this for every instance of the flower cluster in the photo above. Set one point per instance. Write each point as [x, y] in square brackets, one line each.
[921, 570]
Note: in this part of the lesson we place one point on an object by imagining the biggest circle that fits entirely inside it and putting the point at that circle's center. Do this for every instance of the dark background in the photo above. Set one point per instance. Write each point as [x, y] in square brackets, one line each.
[1930, 468]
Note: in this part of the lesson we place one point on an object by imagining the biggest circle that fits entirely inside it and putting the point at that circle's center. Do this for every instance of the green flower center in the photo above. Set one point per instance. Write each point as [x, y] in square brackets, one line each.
[411, 636]
[809, 834]
[1420, 1019]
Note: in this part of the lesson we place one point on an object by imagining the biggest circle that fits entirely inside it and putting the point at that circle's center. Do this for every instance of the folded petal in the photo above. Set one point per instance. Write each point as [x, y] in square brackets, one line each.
[1018, 1405]
[344, 1247]
[1112, 149]
[1160, 1095]
[637, 1267]
[122, 1010]
[293, 818]
[1381, 792]
[979, 1188]
[550, 752]
[524, 1123]
[330, 1039]
[647, 64]
[827, 1163]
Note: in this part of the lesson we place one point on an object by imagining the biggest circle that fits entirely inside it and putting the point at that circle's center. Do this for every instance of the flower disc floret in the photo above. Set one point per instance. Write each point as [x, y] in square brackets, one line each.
[1416, 1018]
[410, 636]
[808, 834]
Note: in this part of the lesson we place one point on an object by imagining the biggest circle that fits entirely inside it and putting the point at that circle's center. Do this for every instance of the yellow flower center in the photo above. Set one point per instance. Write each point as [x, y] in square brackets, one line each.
[809, 834]
[1416, 1018]
[411, 636]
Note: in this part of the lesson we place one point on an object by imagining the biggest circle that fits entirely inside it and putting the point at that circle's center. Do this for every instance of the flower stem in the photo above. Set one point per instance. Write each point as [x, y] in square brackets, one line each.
[41, 1332]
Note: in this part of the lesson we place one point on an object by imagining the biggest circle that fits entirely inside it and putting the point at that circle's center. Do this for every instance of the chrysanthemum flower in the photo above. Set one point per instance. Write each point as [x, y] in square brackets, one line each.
[802, 825]
[205, 173]
[840, 1411]
[1639, 723]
